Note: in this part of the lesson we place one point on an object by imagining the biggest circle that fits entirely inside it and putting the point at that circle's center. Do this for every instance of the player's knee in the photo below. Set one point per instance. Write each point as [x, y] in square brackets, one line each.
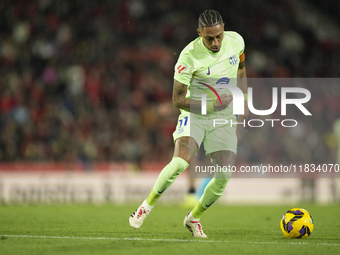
[185, 157]
[176, 166]
[224, 158]
[221, 183]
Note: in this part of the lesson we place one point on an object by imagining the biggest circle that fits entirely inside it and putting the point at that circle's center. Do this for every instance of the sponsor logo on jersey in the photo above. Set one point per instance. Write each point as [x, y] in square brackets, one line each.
[233, 60]
[180, 68]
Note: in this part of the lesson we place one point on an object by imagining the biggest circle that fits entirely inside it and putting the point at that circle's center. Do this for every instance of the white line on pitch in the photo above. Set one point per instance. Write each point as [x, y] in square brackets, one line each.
[162, 240]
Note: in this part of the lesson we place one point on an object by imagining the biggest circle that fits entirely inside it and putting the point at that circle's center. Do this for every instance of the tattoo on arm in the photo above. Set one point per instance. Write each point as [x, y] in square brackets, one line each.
[242, 64]
[178, 96]
[181, 102]
[242, 77]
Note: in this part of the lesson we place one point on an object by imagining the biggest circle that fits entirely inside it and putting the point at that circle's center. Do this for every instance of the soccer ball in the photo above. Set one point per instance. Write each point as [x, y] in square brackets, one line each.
[297, 223]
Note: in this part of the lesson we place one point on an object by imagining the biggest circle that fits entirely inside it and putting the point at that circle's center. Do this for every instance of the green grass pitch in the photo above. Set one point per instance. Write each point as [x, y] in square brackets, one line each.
[89, 229]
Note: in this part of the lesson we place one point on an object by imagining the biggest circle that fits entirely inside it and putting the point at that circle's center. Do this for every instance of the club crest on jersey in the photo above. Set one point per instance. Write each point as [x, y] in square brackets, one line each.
[208, 73]
[180, 68]
[233, 60]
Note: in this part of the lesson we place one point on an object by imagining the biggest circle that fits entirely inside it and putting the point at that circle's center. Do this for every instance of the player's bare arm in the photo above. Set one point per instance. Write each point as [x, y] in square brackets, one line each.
[242, 84]
[181, 102]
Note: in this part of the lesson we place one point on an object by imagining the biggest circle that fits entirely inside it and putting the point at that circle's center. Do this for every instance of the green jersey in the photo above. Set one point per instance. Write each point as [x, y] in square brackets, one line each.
[197, 64]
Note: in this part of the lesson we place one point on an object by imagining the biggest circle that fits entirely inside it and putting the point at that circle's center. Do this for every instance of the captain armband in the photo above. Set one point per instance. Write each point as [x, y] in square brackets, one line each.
[242, 57]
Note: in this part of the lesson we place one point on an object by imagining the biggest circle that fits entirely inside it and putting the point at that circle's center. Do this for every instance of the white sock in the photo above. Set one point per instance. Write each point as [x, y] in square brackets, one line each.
[192, 218]
[147, 206]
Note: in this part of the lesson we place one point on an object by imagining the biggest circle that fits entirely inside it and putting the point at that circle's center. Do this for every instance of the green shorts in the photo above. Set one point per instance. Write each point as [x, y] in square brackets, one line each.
[214, 131]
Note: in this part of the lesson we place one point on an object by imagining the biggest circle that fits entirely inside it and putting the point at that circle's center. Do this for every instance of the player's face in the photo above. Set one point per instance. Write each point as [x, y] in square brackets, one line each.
[212, 37]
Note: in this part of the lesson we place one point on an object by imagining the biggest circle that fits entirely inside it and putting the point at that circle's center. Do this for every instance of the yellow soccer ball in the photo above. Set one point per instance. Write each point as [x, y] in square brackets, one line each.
[297, 223]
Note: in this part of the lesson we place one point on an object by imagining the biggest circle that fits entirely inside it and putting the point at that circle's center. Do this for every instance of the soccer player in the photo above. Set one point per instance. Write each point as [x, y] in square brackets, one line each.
[214, 54]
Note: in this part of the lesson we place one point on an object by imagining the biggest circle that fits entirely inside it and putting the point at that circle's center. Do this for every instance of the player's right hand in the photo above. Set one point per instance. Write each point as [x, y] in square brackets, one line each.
[226, 100]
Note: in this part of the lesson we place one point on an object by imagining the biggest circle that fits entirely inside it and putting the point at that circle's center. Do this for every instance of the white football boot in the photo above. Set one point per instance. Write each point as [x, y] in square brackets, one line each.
[194, 226]
[137, 217]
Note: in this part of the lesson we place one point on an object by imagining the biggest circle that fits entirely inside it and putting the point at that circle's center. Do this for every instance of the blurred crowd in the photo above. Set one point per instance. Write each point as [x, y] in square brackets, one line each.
[91, 81]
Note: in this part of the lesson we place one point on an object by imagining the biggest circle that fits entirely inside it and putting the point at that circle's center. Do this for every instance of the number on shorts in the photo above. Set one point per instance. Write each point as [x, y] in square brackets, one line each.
[185, 122]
